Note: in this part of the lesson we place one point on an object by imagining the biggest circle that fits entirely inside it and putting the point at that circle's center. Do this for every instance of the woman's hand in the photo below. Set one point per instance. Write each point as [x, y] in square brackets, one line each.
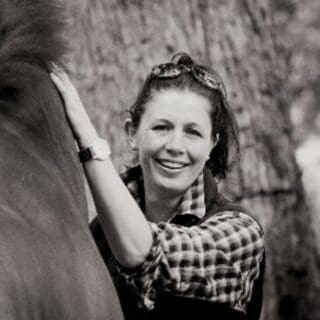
[80, 122]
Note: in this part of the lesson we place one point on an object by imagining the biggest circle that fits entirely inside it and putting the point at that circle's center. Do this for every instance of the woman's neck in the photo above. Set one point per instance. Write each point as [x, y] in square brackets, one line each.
[160, 207]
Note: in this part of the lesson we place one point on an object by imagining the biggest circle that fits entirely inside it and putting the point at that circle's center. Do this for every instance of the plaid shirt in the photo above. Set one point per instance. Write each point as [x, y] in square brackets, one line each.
[217, 260]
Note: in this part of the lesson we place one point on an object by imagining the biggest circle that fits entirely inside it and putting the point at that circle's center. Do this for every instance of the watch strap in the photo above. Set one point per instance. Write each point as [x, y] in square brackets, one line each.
[99, 149]
[85, 155]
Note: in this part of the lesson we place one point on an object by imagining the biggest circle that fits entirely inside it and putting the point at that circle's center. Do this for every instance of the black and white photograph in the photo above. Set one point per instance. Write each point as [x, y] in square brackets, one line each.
[159, 159]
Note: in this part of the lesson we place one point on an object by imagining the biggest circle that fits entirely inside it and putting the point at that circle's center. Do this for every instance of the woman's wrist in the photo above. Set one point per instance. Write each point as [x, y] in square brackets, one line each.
[86, 137]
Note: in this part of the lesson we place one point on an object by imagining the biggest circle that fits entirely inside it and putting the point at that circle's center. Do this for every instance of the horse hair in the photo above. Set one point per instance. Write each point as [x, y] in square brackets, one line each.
[31, 34]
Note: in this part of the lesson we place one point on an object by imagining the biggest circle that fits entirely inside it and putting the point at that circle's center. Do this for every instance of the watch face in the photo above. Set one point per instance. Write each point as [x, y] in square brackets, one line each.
[100, 149]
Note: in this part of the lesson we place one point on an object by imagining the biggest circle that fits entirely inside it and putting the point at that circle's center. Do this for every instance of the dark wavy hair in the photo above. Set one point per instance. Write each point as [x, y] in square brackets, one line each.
[227, 150]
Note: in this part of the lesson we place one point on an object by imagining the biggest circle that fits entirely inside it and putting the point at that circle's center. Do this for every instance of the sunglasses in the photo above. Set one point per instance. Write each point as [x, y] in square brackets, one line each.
[205, 77]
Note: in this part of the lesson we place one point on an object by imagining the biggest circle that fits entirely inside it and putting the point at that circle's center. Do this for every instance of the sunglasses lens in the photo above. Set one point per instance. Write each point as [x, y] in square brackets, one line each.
[156, 70]
[209, 79]
[168, 70]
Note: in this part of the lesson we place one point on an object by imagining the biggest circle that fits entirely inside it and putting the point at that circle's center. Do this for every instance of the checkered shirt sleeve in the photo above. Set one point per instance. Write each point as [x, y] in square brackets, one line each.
[217, 260]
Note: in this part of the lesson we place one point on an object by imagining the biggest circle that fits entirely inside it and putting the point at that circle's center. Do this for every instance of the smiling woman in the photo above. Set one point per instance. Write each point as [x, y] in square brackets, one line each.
[173, 145]
[179, 249]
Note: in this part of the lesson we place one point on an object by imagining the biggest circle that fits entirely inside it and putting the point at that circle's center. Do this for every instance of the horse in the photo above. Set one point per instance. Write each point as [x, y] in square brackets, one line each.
[50, 267]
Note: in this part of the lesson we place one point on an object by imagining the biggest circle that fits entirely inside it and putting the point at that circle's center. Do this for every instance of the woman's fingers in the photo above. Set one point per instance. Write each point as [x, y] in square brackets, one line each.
[58, 82]
[79, 119]
[68, 91]
[62, 80]
[58, 71]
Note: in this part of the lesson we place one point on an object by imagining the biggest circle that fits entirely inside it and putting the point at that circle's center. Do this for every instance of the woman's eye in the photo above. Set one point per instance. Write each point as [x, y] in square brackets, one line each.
[160, 127]
[194, 133]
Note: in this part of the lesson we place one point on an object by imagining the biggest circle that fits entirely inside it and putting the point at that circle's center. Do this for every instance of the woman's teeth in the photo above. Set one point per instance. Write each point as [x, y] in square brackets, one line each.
[171, 164]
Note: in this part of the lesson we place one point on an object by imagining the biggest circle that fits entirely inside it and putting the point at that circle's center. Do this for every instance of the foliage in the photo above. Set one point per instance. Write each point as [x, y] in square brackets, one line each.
[297, 26]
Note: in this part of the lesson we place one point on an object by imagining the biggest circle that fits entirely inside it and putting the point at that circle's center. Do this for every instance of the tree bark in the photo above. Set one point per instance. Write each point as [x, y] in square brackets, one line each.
[114, 45]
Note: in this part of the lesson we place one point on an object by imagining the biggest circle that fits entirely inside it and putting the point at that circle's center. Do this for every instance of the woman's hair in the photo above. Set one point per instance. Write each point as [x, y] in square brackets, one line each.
[226, 152]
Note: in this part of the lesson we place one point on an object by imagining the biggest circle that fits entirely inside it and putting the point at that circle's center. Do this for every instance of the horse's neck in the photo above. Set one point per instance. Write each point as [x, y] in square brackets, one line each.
[50, 267]
[38, 150]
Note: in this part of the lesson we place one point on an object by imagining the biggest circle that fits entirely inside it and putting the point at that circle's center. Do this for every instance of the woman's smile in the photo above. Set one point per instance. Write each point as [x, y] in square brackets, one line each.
[171, 164]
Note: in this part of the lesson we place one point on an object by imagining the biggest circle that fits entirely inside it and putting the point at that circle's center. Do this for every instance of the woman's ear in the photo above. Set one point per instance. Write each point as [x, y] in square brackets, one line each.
[131, 133]
[215, 140]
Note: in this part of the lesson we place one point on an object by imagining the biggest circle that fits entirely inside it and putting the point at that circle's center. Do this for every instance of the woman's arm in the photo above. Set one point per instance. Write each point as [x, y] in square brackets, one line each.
[123, 222]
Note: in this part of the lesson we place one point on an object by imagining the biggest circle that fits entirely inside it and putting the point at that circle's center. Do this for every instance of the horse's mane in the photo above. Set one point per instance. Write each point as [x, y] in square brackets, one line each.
[31, 33]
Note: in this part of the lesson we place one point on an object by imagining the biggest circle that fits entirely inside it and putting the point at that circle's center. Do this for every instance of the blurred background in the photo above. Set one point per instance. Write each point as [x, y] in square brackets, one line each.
[298, 29]
[268, 53]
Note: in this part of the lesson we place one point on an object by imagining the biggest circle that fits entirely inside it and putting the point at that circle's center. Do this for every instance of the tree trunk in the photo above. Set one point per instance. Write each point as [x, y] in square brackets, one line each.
[116, 42]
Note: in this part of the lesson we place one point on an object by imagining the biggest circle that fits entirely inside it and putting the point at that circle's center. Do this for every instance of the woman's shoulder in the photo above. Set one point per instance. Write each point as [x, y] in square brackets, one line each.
[219, 204]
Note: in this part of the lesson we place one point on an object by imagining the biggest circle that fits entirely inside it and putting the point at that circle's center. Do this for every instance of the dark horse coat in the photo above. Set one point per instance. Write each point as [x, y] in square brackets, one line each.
[49, 265]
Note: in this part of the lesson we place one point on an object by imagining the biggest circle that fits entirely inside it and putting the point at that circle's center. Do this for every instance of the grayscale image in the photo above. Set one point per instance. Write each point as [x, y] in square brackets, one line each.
[159, 160]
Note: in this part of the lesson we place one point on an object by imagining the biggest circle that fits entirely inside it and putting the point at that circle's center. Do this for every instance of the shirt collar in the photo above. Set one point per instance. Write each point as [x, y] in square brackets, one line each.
[192, 202]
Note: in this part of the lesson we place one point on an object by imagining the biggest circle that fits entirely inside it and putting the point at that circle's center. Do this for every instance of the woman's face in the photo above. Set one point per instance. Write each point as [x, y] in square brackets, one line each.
[174, 139]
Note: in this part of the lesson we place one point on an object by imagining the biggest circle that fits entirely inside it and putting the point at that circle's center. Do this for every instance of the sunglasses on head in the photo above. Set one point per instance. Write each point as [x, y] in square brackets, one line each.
[205, 77]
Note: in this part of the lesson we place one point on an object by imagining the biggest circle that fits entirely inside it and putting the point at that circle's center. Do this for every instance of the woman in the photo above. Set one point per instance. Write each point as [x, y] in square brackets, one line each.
[183, 249]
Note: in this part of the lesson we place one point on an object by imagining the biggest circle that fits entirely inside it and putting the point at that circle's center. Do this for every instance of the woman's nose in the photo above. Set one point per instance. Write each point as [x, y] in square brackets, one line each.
[175, 143]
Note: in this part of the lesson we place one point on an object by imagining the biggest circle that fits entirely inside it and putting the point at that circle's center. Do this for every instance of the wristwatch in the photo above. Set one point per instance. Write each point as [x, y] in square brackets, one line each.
[99, 149]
